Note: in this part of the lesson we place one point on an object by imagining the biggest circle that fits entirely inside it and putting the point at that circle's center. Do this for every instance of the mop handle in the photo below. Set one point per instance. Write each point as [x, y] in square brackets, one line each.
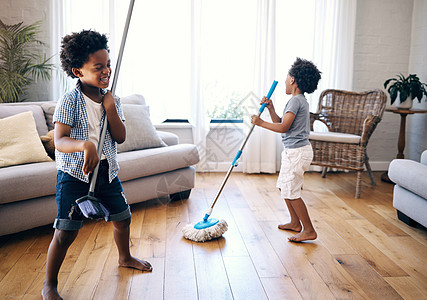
[239, 153]
[261, 109]
[270, 92]
[113, 89]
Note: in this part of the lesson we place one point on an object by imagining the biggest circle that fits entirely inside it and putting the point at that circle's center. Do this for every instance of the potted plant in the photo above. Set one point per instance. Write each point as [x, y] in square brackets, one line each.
[407, 88]
[21, 60]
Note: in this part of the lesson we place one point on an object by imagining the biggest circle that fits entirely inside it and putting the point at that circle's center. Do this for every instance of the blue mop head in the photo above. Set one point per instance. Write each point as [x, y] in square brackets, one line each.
[205, 230]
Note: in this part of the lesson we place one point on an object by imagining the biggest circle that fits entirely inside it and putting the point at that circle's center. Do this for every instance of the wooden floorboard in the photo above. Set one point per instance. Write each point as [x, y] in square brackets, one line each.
[363, 251]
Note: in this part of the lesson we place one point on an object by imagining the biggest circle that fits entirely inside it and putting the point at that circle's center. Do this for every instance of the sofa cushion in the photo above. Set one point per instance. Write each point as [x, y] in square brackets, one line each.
[140, 132]
[38, 114]
[135, 164]
[19, 141]
[410, 175]
[41, 177]
[27, 181]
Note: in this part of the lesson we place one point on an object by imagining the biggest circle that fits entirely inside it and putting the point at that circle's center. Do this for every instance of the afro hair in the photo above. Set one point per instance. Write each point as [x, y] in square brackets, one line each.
[306, 75]
[76, 48]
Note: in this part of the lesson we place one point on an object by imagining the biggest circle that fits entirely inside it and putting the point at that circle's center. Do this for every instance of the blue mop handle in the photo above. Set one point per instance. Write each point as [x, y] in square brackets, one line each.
[270, 92]
[236, 158]
[239, 153]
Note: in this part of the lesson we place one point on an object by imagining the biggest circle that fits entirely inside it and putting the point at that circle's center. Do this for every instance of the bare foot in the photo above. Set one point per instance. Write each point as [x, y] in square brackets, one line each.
[289, 226]
[50, 292]
[136, 263]
[303, 236]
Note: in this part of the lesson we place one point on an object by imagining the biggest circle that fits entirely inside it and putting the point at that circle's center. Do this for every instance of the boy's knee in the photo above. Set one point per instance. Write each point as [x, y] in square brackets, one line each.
[64, 237]
[124, 224]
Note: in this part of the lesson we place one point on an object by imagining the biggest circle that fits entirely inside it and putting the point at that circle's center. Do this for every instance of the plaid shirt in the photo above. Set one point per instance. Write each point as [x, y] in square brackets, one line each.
[71, 110]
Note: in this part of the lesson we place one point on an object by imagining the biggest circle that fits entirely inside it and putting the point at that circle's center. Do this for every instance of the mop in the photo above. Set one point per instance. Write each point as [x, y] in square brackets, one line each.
[89, 205]
[211, 228]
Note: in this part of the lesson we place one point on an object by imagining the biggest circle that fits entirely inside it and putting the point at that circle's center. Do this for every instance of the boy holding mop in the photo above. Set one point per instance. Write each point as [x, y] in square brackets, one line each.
[297, 155]
[78, 119]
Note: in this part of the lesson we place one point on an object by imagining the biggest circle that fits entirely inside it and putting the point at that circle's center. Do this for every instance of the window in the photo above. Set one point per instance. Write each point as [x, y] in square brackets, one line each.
[168, 40]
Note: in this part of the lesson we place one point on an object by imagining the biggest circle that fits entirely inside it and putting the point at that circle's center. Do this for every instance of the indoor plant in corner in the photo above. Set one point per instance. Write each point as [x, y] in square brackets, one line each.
[21, 60]
[405, 90]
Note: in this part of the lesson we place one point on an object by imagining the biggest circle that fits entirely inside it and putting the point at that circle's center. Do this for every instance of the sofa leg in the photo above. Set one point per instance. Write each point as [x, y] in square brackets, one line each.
[180, 195]
[405, 219]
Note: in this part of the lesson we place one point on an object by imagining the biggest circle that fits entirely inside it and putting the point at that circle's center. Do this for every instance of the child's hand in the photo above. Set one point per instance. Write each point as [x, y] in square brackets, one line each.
[256, 120]
[108, 101]
[268, 102]
[91, 157]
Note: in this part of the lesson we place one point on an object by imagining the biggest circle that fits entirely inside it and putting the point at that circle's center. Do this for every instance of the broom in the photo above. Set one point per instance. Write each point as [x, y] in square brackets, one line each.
[89, 205]
[211, 228]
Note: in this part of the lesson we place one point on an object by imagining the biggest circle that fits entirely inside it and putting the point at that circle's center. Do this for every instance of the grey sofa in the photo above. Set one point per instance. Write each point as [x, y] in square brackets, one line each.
[27, 191]
[410, 191]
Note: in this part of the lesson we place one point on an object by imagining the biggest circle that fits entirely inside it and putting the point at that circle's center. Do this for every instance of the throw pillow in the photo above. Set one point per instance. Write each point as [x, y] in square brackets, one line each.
[38, 115]
[49, 109]
[133, 99]
[19, 141]
[49, 144]
[140, 132]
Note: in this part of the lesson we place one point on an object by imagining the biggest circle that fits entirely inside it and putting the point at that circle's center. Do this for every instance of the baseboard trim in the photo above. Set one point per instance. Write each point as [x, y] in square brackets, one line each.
[379, 165]
[224, 166]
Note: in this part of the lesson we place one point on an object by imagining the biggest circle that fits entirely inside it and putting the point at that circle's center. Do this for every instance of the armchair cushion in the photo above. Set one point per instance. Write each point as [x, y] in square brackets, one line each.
[335, 137]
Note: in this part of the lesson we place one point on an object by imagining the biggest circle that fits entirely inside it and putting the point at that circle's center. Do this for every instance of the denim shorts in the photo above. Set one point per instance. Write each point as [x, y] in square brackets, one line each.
[69, 189]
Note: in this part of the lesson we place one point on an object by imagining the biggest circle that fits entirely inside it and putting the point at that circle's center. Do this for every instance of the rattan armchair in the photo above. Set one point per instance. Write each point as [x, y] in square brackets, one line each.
[351, 119]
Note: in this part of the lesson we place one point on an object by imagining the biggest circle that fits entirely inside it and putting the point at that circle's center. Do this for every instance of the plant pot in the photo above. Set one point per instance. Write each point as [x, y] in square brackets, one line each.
[407, 104]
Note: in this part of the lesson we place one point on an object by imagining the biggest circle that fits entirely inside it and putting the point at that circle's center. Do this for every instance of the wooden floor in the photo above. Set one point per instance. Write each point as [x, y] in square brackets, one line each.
[363, 251]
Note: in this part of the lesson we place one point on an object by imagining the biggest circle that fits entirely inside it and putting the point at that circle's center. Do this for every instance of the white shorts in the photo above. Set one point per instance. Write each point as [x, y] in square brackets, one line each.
[291, 177]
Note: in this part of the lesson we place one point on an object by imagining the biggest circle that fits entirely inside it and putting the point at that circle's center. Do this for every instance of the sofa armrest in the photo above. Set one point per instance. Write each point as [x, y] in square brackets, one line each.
[410, 175]
[424, 157]
[168, 137]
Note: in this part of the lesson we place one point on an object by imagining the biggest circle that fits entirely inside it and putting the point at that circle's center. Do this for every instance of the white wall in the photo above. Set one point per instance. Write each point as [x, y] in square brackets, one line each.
[417, 124]
[382, 48]
[30, 11]
[391, 39]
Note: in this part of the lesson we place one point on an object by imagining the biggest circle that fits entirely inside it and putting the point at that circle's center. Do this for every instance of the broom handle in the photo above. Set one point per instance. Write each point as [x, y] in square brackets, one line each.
[239, 153]
[113, 89]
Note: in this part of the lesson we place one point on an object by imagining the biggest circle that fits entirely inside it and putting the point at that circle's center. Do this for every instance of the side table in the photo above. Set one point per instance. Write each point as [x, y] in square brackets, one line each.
[401, 141]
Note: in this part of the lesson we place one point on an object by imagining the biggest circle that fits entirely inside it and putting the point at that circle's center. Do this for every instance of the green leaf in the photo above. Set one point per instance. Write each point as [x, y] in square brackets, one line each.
[387, 82]
[393, 94]
[403, 95]
[21, 61]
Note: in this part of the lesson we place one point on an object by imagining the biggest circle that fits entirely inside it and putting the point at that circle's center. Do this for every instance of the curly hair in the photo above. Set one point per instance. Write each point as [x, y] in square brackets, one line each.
[76, 48]
[306, 75]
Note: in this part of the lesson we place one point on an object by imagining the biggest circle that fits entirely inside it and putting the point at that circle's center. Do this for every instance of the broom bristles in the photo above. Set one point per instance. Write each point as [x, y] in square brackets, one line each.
[206, 234]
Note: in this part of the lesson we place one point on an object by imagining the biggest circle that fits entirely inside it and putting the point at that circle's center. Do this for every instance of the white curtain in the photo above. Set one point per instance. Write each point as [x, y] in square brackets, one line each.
[57, 27]
[198, 118]
[322, 31]
[259, 154]
[197, 53]
[333, 45]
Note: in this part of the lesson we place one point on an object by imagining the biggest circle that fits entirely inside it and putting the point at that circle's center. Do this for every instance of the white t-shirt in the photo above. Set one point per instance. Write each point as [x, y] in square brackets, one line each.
[94, 113]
